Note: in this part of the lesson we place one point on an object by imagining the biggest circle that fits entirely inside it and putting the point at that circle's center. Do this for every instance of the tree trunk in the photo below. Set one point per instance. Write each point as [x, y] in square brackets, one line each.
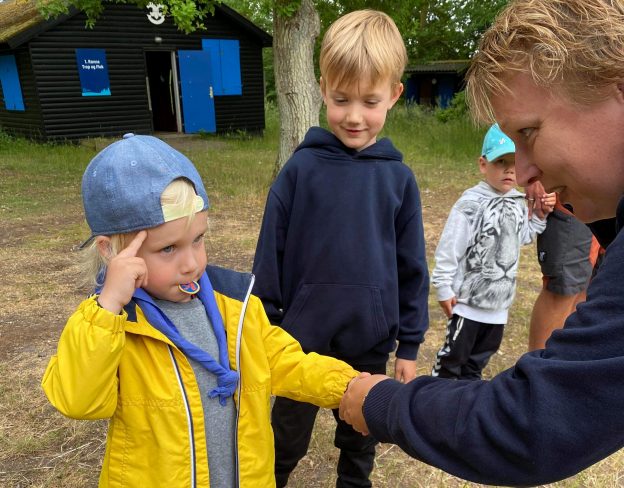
[298, 95]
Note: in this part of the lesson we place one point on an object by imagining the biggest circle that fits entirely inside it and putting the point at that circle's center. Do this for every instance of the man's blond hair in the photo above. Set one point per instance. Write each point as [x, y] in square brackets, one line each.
[364, 45]
[573, 46]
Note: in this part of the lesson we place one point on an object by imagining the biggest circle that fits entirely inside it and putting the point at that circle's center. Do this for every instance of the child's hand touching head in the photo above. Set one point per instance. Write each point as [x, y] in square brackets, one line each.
[125, 273]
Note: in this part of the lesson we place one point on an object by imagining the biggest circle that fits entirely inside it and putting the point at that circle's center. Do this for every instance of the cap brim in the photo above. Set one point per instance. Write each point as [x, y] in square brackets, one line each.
[494, 155]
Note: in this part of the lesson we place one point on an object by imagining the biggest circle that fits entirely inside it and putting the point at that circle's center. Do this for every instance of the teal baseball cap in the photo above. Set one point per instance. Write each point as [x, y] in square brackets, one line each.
[496, 144]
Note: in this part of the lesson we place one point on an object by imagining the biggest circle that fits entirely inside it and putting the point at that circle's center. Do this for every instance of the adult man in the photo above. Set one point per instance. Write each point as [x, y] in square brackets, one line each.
[551, 72]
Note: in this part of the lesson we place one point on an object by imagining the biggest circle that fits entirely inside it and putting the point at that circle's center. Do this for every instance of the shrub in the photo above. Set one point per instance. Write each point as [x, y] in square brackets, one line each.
[458, 109]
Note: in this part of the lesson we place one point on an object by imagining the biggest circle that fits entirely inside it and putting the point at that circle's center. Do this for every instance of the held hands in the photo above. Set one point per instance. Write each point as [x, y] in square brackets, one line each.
[353, 400]
[125, 273]
[539, 201]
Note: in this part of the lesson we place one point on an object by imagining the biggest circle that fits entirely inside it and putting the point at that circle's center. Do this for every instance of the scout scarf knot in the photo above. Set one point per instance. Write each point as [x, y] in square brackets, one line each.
[227, 379]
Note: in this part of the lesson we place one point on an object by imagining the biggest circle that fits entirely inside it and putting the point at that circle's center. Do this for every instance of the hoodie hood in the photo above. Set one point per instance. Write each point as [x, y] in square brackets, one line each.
[319, 138]
[484, 190]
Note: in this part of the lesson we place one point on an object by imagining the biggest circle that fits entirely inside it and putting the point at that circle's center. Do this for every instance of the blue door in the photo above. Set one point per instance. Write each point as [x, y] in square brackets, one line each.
[197, 95]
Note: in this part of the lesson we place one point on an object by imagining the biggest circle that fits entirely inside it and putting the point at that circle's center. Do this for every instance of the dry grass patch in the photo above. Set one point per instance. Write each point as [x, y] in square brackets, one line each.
[38, 446]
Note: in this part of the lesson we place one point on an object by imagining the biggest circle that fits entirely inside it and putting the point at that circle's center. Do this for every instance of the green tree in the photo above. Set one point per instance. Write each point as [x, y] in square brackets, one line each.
[431, 29]
[187, 14]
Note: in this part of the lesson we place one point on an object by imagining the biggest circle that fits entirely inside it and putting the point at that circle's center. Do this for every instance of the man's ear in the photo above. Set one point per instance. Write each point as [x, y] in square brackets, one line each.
[104, 247]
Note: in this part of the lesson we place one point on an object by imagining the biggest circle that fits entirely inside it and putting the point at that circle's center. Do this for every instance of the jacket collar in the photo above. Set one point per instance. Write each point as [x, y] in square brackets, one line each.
[232, 284]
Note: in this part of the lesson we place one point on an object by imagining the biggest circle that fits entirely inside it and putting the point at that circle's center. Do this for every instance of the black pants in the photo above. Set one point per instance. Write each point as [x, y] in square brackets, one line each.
[292, 427]
[467, 348]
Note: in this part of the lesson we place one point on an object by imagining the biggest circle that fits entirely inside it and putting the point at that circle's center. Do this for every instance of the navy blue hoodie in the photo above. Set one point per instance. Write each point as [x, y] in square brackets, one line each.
[556, 412]
[340, 261]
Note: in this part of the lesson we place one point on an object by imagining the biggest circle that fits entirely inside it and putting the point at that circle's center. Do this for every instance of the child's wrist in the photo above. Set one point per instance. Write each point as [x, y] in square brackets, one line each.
[107, 304]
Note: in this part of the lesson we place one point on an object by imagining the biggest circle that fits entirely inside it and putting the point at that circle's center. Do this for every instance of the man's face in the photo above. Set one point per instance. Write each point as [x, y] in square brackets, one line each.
[575, 150]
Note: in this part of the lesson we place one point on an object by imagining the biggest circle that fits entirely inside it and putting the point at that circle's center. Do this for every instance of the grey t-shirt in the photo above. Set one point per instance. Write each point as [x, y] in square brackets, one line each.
[220, 421]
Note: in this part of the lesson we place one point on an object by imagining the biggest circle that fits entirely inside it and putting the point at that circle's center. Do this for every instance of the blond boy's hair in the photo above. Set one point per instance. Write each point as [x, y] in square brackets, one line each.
[364, 45]
[573, 46]
[179, 194]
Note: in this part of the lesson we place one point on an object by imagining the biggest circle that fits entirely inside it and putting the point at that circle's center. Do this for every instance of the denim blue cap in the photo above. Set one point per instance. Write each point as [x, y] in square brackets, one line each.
[496, 144]
[122, 184]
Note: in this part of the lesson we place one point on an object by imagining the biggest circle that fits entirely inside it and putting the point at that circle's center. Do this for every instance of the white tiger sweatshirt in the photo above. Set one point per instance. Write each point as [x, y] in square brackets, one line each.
[477, 257]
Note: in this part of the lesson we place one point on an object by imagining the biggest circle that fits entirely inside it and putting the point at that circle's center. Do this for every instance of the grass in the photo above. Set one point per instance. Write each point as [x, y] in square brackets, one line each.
[42, 223]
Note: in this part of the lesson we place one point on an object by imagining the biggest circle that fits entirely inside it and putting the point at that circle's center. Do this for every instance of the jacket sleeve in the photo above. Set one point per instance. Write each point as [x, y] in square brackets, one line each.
[267, 265]
[413, 274]
[531, 227]
[556, 412]
[452, 247]
[81, 379]
[310, 378]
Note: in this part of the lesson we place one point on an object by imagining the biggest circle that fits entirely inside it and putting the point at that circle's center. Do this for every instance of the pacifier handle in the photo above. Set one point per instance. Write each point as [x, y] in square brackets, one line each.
[191, 288]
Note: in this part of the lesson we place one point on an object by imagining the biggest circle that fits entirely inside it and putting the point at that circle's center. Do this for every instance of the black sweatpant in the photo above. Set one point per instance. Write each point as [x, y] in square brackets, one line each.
[292, 428]
[467, 348]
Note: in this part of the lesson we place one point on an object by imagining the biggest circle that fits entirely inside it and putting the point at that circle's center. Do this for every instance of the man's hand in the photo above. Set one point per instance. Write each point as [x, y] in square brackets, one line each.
[404, 370]
[353, 400]
[358, 377]
[125, 273]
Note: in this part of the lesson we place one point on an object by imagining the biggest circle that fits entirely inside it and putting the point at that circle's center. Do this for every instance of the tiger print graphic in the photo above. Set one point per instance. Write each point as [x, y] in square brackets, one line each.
[492, 260]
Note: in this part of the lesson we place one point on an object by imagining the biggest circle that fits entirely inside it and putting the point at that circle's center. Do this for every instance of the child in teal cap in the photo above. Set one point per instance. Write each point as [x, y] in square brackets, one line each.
[476, 260]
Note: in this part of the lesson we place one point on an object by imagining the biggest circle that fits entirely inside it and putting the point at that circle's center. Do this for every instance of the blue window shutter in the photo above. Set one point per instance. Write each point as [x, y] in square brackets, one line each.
[225, 63]
[11, 88]
[213, 47]
[230, 67]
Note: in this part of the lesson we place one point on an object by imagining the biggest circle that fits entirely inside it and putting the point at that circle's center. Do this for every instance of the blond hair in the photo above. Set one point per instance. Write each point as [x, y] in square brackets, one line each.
[179, 193]
[364, 45]
[573, 46]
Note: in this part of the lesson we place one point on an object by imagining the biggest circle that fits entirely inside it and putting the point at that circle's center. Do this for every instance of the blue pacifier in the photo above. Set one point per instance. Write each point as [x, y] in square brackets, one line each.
[189, 288]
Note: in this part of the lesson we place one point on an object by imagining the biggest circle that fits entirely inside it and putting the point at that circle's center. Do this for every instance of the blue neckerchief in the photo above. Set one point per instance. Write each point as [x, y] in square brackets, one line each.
[227, 379]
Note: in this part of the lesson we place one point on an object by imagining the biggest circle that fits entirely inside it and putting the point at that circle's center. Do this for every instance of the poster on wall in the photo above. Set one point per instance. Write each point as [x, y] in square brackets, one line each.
[93, 72]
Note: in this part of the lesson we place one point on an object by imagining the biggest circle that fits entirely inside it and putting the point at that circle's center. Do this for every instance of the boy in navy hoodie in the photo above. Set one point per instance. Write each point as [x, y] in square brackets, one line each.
[340, 262]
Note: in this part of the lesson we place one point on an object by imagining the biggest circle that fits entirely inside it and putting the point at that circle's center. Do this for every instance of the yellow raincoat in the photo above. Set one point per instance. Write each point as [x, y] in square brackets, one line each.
[122, 368]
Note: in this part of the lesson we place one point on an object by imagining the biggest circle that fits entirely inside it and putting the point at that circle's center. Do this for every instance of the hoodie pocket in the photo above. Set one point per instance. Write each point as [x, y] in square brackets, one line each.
[341, 320]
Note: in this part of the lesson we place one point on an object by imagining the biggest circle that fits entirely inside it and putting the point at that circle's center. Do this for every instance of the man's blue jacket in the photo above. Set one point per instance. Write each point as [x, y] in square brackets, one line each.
[556, 412]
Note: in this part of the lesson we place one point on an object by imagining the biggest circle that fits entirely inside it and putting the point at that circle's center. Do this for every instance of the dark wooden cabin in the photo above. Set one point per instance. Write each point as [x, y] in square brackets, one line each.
[134, 71]
[434, 84]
